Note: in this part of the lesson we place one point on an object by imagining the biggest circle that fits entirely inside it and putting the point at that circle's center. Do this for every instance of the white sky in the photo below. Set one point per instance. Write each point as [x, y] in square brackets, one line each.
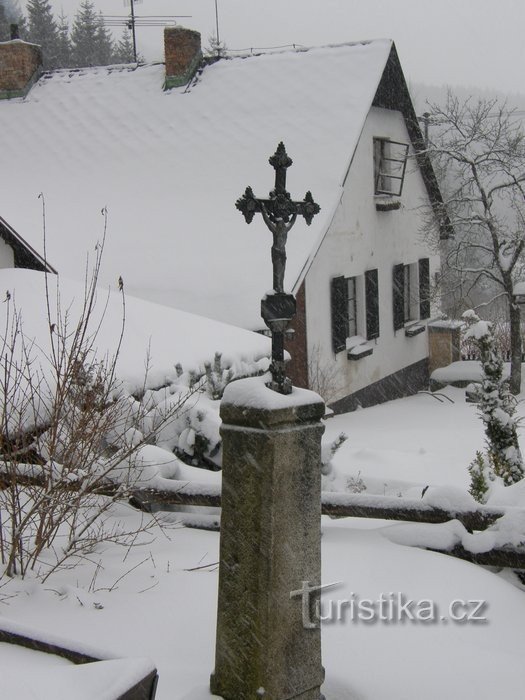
[454, 42]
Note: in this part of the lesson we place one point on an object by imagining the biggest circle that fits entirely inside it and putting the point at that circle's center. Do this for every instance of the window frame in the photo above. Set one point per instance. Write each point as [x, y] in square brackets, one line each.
[385, 166]
[351, 299]
[409, 279]
[348, 301]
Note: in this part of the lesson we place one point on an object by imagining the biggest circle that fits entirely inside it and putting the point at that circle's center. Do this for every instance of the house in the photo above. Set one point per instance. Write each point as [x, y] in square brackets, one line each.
[16, 252]
[168, 156]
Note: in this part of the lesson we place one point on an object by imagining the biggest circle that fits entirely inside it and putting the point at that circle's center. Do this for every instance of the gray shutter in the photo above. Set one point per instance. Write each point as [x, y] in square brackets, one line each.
[372, 304]
[398, 296]
[424, 288]
[339, 302]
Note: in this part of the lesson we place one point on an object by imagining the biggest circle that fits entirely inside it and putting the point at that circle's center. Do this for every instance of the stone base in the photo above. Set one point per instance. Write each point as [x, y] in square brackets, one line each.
[312, 694]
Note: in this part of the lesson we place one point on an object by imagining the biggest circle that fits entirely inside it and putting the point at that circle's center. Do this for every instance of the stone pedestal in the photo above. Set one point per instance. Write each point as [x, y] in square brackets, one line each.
[270, 544]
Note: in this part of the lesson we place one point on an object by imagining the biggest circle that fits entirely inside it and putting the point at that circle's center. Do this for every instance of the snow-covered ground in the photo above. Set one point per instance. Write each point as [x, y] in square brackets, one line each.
[158, 600]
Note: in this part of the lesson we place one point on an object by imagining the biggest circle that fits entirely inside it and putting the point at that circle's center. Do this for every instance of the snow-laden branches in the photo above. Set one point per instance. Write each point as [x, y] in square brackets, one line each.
[497, 409]
[478, 149]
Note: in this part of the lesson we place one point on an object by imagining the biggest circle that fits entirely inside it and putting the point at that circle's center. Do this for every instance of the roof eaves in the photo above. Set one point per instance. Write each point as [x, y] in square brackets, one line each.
[25, 255]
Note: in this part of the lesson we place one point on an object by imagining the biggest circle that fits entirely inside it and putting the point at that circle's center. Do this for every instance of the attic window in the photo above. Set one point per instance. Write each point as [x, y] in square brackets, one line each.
[390, 161]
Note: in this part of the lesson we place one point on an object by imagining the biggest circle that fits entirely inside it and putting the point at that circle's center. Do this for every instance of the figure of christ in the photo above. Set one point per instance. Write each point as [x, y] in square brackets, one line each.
[279, 229]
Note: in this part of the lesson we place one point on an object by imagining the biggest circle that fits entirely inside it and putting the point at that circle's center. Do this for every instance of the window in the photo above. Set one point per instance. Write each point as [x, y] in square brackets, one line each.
[411, 292]
[344, 311]
[350, 298]
[390, 160]
[407, 298]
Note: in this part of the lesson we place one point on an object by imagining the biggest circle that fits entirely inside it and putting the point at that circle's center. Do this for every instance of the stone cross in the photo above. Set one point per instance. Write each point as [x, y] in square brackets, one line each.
[279, 213]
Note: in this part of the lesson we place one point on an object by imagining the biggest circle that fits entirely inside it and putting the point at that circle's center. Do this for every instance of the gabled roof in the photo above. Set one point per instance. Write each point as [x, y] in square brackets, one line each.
[393, 93]
[24, 254]
[170, 166]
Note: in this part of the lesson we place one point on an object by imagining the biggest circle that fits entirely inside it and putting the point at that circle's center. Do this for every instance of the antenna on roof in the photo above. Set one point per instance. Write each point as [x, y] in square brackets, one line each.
[132, 23]
[217, 22]
[132, 20]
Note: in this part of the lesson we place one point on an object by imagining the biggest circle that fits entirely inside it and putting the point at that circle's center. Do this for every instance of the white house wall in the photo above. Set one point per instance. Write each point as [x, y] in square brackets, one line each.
[7, 256]
[361, 238]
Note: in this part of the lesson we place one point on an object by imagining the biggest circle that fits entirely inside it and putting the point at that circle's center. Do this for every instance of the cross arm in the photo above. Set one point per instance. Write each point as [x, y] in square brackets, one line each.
[248, 205]
[277, 206]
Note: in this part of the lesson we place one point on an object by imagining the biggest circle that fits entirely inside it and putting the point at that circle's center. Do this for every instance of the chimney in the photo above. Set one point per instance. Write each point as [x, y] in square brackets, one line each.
[15, 34]
[182, 49]
[20, 67]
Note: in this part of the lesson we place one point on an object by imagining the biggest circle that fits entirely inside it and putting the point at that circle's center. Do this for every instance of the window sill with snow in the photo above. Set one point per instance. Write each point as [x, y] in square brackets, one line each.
[358, 347]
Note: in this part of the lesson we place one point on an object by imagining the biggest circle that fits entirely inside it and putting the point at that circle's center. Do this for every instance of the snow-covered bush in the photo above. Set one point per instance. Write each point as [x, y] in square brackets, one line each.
[481, 475]
[329, 477]
[497, 409]
[193, 434]
[72, 438]
[355, 484]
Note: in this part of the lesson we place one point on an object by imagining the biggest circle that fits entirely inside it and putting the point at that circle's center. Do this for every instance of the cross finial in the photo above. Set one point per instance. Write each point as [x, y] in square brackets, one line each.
[280, 161]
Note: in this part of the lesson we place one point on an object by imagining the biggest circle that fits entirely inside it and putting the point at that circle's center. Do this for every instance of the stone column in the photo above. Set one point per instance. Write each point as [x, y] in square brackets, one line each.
[270, 544]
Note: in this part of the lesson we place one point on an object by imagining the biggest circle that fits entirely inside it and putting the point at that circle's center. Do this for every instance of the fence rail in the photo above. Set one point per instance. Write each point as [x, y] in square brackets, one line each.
[333, 504]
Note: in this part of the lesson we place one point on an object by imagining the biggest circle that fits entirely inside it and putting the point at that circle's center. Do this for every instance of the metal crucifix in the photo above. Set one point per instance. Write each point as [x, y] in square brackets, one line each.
[280, 214]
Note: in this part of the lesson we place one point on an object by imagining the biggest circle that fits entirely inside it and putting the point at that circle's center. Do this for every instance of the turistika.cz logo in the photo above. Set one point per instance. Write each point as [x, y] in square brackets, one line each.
[389, 608]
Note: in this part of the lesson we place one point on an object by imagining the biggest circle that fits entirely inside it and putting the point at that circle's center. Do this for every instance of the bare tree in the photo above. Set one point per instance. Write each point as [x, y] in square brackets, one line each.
[479, 147]
[71, 435]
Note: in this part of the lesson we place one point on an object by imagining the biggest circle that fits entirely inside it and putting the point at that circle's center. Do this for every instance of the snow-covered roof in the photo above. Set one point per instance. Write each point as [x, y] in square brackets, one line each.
[155, 338]
[169, 166]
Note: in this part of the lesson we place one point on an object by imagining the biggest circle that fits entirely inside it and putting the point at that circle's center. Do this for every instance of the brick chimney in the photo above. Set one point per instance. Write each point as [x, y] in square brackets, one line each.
[182, 49]
[20, 67]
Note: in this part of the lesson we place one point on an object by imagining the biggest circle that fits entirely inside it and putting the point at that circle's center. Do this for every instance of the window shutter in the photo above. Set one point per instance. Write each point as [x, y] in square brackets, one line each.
[424, 288]
[339, 301]
[398, 296]
[372, 304]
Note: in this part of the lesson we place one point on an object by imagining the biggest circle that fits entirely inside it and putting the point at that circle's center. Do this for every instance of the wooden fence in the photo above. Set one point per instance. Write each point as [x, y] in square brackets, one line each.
[333, 504]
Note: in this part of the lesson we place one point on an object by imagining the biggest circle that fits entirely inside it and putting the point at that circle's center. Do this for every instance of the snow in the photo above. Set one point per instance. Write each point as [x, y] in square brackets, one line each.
[164, 609]
[169, 166]
[356, 344]
[463, 371]
[519, 289]
[105, 680]
[508, 531]
[446, 323]
[253, 393]
[156, 338]
[479, 330]
[161, 348]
